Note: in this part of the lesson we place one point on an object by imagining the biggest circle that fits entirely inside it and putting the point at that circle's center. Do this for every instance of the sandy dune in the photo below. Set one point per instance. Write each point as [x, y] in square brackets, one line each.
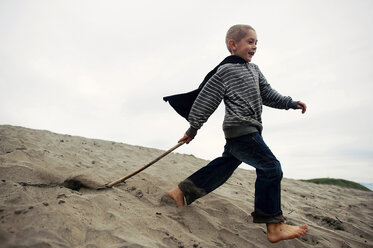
[48, 199]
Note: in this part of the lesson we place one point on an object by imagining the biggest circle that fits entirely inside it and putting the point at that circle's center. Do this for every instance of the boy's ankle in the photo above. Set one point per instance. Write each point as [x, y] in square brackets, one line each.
[178, 196]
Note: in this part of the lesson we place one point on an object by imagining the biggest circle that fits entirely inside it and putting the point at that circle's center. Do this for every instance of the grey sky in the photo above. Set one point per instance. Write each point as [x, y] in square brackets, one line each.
[100, 69]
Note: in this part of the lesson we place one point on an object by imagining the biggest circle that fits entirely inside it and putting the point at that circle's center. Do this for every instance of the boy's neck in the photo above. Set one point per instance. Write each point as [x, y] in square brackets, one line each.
[238, 58]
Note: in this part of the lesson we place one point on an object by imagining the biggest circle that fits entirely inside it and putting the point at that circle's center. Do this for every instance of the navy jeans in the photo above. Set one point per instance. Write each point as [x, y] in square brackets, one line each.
[250, 149]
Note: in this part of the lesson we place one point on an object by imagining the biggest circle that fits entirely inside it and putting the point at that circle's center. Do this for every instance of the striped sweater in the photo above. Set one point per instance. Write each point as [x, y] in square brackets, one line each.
[244, 90]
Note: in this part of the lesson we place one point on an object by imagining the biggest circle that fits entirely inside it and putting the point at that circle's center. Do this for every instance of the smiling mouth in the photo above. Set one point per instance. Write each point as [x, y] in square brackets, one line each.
[251, 53]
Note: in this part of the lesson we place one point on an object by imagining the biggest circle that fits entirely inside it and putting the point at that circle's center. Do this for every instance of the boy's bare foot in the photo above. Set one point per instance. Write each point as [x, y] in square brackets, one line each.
[178, 196]
[278, 231]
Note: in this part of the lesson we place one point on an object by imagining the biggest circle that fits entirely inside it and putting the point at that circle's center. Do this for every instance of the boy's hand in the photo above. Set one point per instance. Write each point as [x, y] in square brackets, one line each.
[186, 138]
[302, 106]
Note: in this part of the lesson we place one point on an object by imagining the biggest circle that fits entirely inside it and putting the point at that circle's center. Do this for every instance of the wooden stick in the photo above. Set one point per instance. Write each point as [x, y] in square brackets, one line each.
[144, 167]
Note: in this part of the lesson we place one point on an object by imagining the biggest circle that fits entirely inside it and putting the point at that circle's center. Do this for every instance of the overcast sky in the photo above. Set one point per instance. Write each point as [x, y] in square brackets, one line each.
[99, 69]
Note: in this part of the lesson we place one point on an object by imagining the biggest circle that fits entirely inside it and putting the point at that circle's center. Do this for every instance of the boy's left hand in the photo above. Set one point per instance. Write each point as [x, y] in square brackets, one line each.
[185, 139]
[302, 106]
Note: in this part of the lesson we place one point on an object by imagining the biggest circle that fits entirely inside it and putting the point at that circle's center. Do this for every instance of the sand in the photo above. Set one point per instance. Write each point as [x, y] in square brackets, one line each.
[48, 198]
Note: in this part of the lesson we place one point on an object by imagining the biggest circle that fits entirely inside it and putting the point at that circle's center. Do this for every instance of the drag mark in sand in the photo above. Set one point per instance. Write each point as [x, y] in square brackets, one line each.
[72, 184]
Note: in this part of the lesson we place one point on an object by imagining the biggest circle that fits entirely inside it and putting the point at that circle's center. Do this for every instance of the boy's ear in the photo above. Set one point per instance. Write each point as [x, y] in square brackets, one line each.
[232, 45]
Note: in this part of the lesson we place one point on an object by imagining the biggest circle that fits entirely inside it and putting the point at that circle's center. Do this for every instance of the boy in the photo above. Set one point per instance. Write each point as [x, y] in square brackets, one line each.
[244, 90]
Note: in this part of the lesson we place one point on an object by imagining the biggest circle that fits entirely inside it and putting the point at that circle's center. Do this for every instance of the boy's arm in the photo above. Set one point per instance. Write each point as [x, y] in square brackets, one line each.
[272, 98]
[205, 104]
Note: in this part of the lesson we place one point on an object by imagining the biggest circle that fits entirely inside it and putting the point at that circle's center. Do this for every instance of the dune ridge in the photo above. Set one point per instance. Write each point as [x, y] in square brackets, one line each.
[48, 198]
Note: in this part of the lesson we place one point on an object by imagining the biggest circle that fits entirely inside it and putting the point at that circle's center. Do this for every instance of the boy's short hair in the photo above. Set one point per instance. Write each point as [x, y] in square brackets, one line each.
[236, 33]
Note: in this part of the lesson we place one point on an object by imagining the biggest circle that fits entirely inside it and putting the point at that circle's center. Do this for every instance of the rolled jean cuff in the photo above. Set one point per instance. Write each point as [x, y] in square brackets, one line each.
[191, 191]
[267, 219]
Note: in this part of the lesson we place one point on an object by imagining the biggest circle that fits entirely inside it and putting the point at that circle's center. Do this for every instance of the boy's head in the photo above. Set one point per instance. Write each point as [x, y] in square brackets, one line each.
[241, 40]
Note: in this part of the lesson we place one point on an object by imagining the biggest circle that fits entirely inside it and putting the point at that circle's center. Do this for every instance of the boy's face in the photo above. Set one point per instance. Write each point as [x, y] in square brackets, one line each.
[246, 47]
